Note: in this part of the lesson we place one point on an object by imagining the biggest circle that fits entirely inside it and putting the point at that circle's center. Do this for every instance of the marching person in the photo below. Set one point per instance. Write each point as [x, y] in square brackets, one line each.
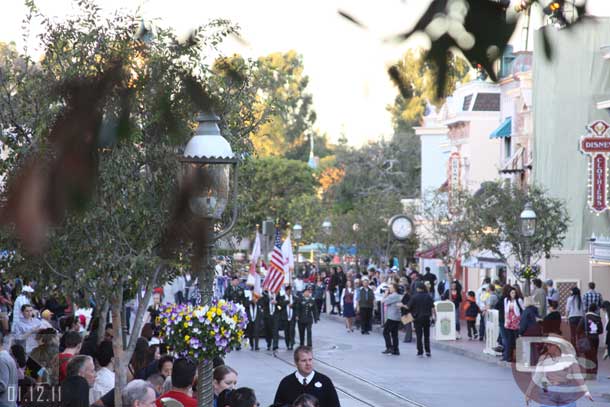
[271, 318]
[421, 306]
[306, 315]
[254, 311]
[306, 380]
[235, 293]
[366, 302]
[288, 317]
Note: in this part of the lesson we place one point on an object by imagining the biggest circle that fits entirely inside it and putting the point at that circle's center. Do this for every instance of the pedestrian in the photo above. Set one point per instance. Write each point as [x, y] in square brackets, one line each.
[8, 377]
[365, 306]
[306, 400]
[80, 379]
[183, 375]
[592, 297]
[575, 312]
[332, 288]
[431, 278]
[306, 380]
[243, 397]
[422, 309]
[347, 304]
[606, 308]
[552, 293]
[471, 311]
[21, 300]
[254, 311]
[289, 317]
[104, 378]
[319, 294]
[539, 296]
[392, 301]
[551, 323]
[513, 308]
[489, 304]
[529, 326]
[404, 311]
[73, 343]
[26, 328]
[306, 316]
[592, 328]
[42, 362]
[225, 378]
[138, 393]
[454, 294]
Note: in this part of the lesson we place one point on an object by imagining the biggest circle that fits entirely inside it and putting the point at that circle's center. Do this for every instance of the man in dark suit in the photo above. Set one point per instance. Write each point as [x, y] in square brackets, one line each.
[306, 380]
[289, 316]
[366, 302]
[255, 322]
[272, 307]
[235, 293]
[307, 314]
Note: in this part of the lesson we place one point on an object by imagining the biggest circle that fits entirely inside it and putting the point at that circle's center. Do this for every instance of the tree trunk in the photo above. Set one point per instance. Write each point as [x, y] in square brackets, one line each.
[103, 320]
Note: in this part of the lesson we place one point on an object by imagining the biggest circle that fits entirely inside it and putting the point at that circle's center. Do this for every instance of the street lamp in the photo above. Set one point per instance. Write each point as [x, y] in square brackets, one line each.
[528, 229]
[297, 232]
[356, 228]
[207, 164]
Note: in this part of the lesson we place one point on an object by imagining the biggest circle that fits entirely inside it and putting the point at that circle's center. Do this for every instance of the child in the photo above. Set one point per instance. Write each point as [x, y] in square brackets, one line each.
[472, 311]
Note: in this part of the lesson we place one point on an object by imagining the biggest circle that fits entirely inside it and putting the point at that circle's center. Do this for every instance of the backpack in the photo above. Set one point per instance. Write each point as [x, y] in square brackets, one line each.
[473, 309]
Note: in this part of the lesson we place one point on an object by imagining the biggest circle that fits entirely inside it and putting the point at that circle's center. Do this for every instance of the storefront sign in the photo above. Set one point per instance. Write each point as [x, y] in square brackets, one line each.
[596, 145]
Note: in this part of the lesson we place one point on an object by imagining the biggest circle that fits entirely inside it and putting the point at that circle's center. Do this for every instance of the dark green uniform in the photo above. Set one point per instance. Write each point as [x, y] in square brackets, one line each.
[236, 295]
[307, 314]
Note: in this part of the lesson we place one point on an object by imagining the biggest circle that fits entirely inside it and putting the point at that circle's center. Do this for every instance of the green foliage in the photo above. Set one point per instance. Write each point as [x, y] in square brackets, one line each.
[274, 187]
[495, 210]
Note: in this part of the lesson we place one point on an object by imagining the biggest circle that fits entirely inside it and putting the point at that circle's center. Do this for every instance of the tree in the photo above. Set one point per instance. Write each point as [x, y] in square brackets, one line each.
[494, 213]
[94, 126]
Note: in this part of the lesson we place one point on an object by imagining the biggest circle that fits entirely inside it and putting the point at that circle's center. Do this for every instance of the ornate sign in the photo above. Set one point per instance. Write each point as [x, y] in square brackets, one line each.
[596, 145]
[454, 178]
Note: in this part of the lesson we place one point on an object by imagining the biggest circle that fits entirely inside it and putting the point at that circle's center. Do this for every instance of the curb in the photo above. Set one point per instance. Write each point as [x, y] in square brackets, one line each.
[441, 346]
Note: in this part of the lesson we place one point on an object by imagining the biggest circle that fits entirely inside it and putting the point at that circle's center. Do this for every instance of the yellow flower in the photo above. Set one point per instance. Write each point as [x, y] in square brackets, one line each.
[235, 318]
[186, 325]
[165, 321]
[188, 317]
[186, 338]
[212, 333]
[218, 312]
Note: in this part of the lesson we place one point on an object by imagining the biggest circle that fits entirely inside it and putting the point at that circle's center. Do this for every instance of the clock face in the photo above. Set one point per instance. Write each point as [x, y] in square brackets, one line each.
[402, 228]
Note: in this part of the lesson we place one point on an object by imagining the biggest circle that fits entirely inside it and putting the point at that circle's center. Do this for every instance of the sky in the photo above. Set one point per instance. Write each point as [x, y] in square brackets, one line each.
[346, 65]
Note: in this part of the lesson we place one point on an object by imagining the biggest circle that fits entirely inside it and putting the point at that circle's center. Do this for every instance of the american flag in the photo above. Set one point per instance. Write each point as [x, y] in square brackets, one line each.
[275, 277]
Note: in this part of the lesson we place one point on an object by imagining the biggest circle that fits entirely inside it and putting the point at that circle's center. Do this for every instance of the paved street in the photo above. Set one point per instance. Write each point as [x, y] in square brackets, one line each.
[366, 376]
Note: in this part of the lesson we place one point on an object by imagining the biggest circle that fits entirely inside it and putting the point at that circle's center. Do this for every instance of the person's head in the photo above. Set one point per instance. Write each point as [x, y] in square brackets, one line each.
[156, 380]
[147, 332]
[549, 283]
[156, 298]
[235, 281]
[82, 365]
[576, 292]
[166, 364]
[553, 305]
[104, 353]
[492, 288]
[487, 280]
[365, 282]
[512, 294]
[306, 400]
[307, 292]
[606, 307]
[454, 286]
[47, 315]
[73, 341]
[420, 287]
[506, 290]
[243, 397]
[592, 308]
[592, 285]
[138, 393]
[349, 284]
[139, 358]
[225, 377]
[108, 334]
[393, 288]
[183, 373]
[288, 290]
[537, 282]
[471, 294]
[27, 311]
[427, 270]
[303, 358]
[46, 337]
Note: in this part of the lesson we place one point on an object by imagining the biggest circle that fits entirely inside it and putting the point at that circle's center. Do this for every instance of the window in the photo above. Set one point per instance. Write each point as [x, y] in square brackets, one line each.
[507, 148]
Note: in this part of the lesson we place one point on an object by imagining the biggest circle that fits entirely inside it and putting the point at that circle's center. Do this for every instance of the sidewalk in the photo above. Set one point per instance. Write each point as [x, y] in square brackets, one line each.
[474, 350]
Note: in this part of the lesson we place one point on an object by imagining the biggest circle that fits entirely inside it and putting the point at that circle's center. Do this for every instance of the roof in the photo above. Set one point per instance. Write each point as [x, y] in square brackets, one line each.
[503, 130]
[486, 102]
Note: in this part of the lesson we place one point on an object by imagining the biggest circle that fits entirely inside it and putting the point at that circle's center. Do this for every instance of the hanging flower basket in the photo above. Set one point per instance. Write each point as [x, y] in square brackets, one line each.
[523, 272]
[203, 332]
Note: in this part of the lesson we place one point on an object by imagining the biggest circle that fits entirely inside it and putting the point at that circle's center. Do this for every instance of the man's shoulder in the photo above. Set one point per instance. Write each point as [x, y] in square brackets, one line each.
[321, 378]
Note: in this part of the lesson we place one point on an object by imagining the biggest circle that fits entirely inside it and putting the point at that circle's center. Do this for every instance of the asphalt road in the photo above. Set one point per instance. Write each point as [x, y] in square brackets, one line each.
[365, 377]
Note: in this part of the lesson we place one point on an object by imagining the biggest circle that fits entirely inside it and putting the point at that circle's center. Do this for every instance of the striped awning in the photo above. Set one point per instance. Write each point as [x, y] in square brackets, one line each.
[504, 130]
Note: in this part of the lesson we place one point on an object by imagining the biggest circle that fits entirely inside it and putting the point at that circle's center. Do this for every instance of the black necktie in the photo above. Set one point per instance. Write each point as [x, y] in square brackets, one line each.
[304, 381]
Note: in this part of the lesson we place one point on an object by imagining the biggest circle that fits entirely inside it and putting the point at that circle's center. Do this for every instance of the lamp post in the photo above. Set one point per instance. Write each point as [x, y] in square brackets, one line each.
[327, 228]
[356, 228]
[528, 229]
[297, 232]
[208, 167]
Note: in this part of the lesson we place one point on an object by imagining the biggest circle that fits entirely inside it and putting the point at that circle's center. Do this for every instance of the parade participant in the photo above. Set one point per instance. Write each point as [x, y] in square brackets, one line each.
[365, 306]
[235, 293]
[306, 315]
[183, 375]
[288, 315]
[306, 380]
[422, 309]
[254, 311]
[347, 304]
[26, 328]
[272, 305]
[392, 301]
[138, 393]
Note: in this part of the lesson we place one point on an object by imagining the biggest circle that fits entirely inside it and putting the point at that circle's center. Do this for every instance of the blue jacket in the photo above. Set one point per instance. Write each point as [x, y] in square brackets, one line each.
[528, 323]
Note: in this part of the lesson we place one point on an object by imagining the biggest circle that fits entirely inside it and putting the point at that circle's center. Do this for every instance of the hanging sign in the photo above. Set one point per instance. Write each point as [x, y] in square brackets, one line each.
[596, 146]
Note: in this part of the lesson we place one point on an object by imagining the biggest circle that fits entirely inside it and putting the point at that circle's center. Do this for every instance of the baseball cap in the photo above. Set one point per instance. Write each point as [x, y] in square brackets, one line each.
[27, 289]
[47, 313]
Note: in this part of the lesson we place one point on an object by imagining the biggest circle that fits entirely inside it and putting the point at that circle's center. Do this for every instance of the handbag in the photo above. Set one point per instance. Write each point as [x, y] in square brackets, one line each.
[406, 319]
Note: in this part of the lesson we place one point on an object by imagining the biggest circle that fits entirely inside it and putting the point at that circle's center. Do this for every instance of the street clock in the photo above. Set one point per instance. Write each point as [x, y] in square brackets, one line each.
[401, 227]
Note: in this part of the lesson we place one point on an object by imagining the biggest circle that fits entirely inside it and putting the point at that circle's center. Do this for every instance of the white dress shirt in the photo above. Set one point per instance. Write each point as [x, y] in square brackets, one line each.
[308, 379]
[104, 382]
